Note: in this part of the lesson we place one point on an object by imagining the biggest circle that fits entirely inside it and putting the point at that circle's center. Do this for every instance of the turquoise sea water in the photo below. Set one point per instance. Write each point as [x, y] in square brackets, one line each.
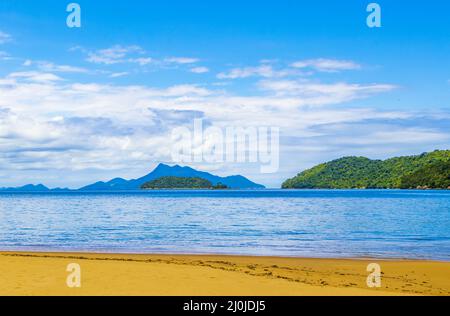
[322, 223]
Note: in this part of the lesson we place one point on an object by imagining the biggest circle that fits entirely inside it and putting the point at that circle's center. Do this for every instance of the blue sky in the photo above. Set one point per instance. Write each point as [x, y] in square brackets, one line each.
[80, 105]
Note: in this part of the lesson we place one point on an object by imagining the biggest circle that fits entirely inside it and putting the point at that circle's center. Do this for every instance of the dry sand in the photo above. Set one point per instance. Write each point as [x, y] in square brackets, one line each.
[192, 275]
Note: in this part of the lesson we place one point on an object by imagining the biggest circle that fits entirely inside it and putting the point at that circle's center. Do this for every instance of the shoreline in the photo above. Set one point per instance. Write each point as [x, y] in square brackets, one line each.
[44, 273]
[92, 252]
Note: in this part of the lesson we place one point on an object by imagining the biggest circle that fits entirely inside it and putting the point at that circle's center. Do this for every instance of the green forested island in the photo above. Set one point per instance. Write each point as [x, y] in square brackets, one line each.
[425, 171]
[180, 183]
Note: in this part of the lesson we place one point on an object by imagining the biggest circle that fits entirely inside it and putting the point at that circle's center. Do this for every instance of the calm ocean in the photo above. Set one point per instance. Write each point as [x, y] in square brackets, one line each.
[322, 223]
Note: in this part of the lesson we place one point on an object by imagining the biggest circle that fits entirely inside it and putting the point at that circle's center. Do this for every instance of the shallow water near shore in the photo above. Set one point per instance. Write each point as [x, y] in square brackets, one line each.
[305, 223]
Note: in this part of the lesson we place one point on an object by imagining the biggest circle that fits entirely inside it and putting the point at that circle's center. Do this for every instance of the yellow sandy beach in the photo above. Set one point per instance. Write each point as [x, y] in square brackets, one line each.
[192, 275]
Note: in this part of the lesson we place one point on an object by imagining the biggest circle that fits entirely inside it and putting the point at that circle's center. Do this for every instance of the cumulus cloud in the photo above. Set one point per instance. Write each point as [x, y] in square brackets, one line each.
[74, 143]
[129, 105]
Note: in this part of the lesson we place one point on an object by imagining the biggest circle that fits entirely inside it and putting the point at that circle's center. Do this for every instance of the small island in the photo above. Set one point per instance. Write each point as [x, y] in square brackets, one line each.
[182, 183]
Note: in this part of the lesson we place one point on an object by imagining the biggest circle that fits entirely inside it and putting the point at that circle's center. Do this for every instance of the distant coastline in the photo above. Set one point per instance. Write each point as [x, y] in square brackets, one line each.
[427, 171]
[161, 171]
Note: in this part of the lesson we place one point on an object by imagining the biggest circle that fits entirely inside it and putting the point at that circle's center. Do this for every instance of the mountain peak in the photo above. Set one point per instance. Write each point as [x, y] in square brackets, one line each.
[163, 166]
[164, 170]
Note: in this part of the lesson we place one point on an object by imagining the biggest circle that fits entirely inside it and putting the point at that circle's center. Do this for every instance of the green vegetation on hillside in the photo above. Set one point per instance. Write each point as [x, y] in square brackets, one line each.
[220, 186]
[426, 170]
[435, 176]
[177, 183]
[181, 183]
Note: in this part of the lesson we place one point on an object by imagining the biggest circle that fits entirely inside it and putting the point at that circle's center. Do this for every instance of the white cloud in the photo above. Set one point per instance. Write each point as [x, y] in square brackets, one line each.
[263, 70]
[182, 60]
[319, 93]
[185, 90]
[118, 74]
[326, 65]
[35, 76]
[399, 135]
[51, 67]
[39, 95]
[141, 61]
[266, 69]
[115, 55]
[199, 70]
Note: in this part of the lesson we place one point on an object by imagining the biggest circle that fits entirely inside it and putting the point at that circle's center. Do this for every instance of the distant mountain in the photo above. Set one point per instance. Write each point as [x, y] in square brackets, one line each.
[428, 170]
[28, 188]
[119, 184]
[33, 188]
